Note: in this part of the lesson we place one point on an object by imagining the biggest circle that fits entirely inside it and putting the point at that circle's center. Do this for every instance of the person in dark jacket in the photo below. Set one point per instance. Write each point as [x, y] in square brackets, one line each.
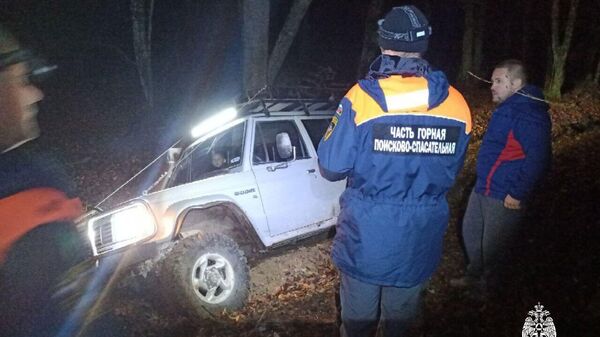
[514, 154]
[39, 244]
[399, 137]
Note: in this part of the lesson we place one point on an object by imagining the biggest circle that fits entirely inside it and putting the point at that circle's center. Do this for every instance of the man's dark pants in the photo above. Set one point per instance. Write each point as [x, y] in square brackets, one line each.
[488, 232]
[363, 302]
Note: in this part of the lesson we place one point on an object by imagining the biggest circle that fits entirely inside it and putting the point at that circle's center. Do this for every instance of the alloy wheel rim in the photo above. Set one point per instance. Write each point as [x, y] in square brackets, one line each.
[213, 278]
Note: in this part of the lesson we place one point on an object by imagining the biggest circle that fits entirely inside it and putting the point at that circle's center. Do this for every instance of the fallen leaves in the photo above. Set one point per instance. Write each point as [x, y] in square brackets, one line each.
[293, 292]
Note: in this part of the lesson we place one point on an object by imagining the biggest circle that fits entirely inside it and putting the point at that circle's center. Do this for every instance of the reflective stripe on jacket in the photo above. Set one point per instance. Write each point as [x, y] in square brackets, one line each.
[26, 210]
[400, 141]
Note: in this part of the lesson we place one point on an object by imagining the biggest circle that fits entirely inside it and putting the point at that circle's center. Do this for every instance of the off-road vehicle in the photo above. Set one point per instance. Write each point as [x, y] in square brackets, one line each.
[248, 183]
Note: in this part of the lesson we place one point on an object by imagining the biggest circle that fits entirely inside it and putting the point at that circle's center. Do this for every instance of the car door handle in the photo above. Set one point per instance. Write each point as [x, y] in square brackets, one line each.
[311, 171]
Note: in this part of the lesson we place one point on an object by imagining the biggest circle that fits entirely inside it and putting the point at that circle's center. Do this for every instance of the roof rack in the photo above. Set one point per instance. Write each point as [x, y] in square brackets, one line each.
[288, 99]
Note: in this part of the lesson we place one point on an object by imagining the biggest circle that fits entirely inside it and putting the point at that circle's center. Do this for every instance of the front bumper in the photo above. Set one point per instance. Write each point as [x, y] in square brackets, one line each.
[129, 256]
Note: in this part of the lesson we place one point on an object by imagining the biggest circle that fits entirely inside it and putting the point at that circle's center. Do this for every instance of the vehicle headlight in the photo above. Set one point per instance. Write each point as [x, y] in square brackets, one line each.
[120, 227]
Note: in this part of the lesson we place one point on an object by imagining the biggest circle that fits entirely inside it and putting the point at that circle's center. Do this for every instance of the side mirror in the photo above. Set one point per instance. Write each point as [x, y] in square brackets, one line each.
[284, 146]
[172, 155]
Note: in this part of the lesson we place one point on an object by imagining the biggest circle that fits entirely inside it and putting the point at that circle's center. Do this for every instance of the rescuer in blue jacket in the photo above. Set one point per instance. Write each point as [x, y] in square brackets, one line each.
[39, 244]
[399, 137]
[514, 154]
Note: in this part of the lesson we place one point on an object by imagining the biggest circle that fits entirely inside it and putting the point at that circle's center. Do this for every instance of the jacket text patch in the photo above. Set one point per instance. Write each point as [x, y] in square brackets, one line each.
[415, 139]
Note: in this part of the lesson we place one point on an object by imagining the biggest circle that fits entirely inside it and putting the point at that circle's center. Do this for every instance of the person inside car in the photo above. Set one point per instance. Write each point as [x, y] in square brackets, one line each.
[217, 160]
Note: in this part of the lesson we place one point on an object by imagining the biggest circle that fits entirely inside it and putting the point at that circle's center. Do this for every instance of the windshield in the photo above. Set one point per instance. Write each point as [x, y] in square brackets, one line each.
[214, 156]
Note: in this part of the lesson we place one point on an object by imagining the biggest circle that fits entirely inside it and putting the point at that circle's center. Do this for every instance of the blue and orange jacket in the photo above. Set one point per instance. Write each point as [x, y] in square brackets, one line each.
[34, 191]
[516, 148]
[26, 210]
[400, 141]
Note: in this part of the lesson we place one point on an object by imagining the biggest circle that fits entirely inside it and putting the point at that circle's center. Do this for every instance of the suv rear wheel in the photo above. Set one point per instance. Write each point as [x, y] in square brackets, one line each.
[209, 273]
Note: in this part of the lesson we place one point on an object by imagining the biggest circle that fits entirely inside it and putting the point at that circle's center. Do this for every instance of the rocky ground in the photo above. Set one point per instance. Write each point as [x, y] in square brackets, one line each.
[294, 291]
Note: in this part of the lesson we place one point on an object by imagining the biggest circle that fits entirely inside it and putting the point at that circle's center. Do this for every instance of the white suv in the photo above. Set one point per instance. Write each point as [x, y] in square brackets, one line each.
[238, 190]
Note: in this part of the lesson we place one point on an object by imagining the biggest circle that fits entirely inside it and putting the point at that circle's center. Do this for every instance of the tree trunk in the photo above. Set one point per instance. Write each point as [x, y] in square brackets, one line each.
[255, 36]
[214, 43]
[590, 62]
[597, 74]
[560, 49]
[593, 63]
[526, 30]
[286, 37]
[370, 48]
[141, 12]
[478, 38]
[468, 41]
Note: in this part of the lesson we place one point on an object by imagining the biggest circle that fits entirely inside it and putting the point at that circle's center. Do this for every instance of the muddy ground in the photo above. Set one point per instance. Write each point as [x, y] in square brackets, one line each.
[555, 262]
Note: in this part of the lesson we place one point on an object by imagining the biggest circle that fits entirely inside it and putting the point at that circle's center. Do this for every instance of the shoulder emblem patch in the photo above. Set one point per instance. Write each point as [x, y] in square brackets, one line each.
[331, 127]
[339, 110]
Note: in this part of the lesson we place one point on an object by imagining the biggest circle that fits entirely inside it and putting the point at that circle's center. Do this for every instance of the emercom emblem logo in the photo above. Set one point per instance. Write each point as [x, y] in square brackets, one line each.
[538, 323]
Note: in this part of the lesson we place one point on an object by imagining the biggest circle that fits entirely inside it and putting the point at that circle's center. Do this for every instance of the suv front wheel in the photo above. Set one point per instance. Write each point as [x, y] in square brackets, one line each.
[209, 273]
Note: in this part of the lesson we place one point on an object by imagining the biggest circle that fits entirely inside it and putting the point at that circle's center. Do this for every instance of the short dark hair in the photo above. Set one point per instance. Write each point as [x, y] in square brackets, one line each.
[515, 68]
[8, 42]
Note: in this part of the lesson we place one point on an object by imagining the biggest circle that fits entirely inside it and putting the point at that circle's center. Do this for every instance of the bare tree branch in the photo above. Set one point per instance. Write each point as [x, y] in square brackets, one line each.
[560, 48]
[518, 92]
[570, 25]
[597, 74]
[255, 37]
[286, 37]
[555, 17]
[369, 49]
[141, 15]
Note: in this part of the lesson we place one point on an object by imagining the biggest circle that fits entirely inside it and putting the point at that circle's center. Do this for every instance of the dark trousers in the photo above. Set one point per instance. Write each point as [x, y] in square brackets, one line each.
[365, 305]
[488, 232]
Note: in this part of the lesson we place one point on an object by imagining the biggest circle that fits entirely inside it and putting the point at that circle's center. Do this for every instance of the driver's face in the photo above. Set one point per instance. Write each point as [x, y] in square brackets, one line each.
[218, 160]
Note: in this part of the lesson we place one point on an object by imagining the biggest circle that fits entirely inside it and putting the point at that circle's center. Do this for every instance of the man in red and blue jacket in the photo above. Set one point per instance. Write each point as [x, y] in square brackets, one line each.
[399, 137]
[514, 154]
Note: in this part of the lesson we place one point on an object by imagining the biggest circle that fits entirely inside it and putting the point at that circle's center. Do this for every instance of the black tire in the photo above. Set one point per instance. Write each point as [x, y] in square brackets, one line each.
[207, 273]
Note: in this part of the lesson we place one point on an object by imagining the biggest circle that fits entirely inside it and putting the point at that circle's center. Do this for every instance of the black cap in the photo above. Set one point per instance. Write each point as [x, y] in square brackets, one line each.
[11, 53]
[404, 28]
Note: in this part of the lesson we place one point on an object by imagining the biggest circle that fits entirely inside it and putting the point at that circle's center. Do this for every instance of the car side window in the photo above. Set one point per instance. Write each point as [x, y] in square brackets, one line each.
[181, 174]
[213, 156]
[316, 129]
[265, 145]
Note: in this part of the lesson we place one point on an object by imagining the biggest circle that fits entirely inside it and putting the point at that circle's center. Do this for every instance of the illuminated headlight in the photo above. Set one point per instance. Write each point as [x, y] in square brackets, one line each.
[120, 227]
